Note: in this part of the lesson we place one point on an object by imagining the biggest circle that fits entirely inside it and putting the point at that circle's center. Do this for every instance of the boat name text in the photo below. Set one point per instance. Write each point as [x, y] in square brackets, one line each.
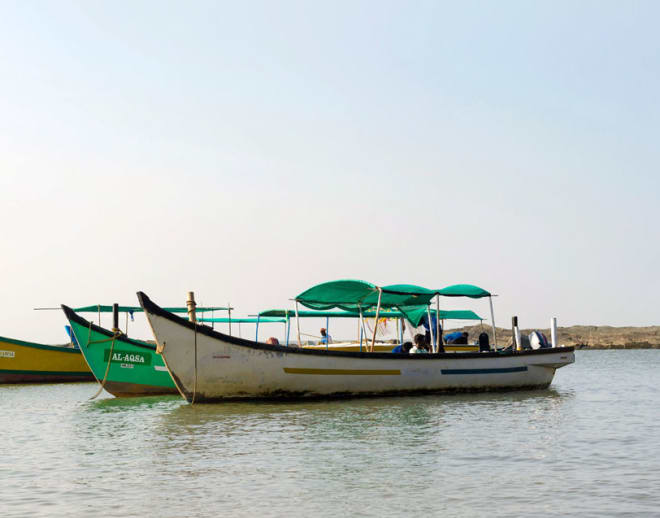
[128, 357]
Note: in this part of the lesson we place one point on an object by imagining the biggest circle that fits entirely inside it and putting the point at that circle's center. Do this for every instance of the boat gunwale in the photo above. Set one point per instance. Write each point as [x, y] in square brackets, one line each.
[55, 348]
[151, 307]
[72, 315]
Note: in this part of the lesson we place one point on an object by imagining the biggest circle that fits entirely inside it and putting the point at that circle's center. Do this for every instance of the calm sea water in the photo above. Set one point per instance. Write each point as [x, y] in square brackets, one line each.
[588, 445]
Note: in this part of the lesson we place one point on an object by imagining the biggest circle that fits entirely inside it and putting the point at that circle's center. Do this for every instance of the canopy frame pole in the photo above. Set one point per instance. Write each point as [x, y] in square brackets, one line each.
[287, 327]
[327, 333]
[229, 316]
[99, 308]
[438, 338]
[373, 339]
[363, 331]
[428, 315]
[256, 336]
[127, 323]
[298, 324]
[492, 319]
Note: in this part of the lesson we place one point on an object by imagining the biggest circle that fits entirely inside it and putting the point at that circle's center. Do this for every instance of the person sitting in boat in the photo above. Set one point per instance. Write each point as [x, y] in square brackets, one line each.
[451, 338]
[325, 337]
[434, 328]
[420, 344]
[457, 337]
[273, 341]
[404, 348]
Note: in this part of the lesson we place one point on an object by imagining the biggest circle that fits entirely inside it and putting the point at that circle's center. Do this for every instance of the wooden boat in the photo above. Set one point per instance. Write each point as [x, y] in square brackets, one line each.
[134, 368]
[207, 365]
[28, 362]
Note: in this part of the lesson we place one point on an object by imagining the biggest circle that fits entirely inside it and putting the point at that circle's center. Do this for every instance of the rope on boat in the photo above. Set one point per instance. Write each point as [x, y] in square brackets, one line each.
[115, 335]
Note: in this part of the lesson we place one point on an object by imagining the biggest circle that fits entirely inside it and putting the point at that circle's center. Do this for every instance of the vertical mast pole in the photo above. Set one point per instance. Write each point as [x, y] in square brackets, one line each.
[115, 318]
[298, 325]
[492, 319]
[373, 339]
[287, 326]
[363, 331]
[516, 334]
[428, 315]
[190, 304]
[438, 338]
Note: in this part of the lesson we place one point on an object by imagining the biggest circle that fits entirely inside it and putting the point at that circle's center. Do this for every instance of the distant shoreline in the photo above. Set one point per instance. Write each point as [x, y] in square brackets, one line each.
[583, 337]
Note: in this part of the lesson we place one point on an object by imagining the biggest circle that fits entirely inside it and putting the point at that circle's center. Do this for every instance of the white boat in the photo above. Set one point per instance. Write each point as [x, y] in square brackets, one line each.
[207, 365]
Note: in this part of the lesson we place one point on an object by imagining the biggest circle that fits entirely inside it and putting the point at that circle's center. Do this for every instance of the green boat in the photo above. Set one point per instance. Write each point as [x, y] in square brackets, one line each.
[135, 368]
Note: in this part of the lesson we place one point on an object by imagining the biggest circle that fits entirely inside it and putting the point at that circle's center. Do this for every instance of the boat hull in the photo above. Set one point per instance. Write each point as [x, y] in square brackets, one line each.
[135, 369]
[207, 365]
[28, 362]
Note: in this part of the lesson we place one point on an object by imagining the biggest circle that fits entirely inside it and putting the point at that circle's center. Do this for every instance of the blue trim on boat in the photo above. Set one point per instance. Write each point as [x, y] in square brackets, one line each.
[484, 371]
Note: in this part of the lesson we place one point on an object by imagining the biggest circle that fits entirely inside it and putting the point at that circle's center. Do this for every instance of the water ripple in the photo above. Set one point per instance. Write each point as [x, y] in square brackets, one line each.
[587, 445]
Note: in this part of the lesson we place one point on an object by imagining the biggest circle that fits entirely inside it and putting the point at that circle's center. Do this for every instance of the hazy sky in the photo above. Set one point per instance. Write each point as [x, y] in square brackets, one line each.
[249, 150]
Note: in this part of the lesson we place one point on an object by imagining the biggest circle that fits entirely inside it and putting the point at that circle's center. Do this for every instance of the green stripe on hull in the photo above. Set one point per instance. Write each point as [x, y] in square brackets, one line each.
[133, 362]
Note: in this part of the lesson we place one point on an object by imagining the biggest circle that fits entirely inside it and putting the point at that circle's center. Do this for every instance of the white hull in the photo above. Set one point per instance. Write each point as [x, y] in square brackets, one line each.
[207, 365]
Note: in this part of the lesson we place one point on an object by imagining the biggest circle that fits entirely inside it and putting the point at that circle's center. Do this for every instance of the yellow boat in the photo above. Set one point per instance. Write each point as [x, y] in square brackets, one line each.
[27, 362]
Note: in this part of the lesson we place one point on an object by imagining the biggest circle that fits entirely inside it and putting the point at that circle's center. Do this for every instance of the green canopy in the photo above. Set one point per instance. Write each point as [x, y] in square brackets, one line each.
[351, 295]
[97, 308]
[464, 290]
[344, 294]
[458, 314]
[406, 295]
[260, 320]
[414, 314]
[329, 314]
[409, 300]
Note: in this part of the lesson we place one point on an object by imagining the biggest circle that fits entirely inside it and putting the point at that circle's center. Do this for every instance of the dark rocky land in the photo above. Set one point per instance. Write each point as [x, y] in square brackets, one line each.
[587, 337]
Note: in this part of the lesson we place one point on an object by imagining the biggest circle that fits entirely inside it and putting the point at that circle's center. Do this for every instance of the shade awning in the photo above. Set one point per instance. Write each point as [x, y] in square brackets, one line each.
[345, 294]
[259, 320]
[291, 313]
[351, 295]
[99, 308]
[458, 314]
[464, 290]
